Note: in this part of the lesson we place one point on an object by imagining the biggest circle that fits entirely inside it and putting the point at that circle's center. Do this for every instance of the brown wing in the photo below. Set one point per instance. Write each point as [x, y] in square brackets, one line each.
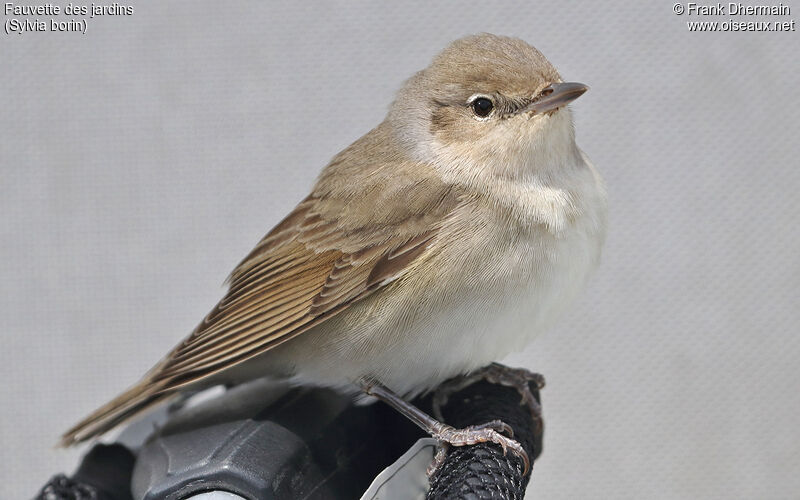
[297, 277]
[362, 227]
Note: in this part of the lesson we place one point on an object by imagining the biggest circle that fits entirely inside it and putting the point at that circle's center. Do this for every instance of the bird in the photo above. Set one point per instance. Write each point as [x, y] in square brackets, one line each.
[444, 239]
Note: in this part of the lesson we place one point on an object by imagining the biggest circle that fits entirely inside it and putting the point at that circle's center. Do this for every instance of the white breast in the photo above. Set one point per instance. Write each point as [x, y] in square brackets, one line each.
[514, 285]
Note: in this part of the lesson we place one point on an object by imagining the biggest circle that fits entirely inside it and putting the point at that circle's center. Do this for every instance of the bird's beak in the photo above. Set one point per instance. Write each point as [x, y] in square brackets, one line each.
[556, 95]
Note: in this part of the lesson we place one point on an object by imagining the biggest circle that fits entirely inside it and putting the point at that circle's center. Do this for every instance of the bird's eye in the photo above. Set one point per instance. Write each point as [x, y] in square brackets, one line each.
[482, 106]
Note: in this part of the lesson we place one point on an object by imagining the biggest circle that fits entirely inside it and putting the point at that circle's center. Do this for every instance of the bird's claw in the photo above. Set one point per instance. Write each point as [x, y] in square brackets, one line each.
[495, 431]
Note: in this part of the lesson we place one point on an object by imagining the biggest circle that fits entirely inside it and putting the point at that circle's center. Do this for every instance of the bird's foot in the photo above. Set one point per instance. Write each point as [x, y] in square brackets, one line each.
[495, 431]
[518, 378]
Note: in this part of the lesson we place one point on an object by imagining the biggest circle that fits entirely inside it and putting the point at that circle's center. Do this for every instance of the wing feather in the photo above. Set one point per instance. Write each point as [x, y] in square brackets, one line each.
[364, 226]
[299, 277]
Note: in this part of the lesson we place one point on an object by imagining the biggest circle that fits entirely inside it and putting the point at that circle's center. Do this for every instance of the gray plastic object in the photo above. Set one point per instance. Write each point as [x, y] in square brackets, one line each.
[248, 453]
[305, 443]
[235, 456]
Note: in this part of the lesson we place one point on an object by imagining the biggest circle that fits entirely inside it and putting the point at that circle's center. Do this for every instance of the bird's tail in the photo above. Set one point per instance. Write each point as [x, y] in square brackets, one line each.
[126, 405]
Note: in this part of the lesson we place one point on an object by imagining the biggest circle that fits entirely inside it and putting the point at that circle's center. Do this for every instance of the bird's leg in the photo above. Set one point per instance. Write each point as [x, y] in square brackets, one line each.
[518, 378]
[495, 431]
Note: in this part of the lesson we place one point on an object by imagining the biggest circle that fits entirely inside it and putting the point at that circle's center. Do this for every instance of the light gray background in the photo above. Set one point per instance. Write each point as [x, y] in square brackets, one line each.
[142, 160]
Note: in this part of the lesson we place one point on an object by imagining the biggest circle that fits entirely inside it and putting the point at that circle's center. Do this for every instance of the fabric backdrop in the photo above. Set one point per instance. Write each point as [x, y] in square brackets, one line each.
[142, 159]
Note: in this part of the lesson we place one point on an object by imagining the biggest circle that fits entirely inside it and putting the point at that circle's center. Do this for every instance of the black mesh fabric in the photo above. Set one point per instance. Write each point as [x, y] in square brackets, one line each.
[104, 474]
[481, 471]
[61, 487]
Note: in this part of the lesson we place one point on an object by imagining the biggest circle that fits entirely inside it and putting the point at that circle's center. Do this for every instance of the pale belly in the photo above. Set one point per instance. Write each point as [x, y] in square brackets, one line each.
[455, 313]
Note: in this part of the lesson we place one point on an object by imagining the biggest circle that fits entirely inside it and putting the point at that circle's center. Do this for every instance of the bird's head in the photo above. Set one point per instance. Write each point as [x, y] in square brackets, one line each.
[487, 105]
